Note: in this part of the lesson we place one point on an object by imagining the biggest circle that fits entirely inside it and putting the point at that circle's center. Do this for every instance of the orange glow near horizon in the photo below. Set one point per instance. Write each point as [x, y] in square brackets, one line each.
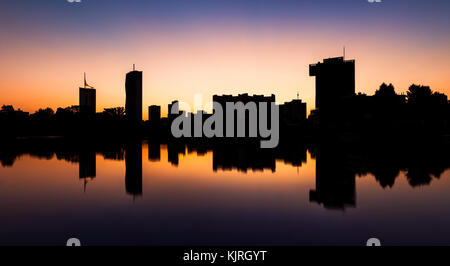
[37, 75]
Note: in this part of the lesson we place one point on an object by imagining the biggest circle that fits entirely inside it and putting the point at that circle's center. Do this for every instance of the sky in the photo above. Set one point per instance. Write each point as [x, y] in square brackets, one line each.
[188, 47]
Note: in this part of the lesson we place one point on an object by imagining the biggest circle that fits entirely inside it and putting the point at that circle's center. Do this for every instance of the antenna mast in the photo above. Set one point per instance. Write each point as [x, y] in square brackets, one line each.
[85, 83]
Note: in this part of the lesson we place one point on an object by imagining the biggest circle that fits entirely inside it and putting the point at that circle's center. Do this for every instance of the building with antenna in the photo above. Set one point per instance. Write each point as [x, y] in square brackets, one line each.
[133, 90]
[293, 112]
[335, 80]
[87, 99]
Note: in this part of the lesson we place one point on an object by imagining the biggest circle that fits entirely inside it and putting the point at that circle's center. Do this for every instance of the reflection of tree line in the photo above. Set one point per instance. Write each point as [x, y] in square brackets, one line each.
[336, 165]
[421, 164]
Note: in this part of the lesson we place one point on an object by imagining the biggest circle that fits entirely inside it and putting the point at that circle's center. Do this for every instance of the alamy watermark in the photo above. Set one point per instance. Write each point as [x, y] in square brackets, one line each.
[251, 117]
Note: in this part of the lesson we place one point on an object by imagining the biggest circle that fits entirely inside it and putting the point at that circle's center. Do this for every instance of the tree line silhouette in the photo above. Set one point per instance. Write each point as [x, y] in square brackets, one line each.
[387, 114]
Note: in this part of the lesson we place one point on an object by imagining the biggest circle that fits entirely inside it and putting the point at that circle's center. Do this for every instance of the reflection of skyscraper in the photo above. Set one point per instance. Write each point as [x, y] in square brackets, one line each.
[335, 79]
[133, 168]
[87, 166]
[154, 152]
[335, 181]
[133, 89]
[87, 99]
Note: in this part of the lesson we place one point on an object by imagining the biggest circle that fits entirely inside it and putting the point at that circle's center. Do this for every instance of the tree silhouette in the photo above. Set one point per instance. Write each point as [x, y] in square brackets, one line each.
[418, 94]
[439, 98]
[44, 114]
[386, 90]
[114, 113]
[67, 113]
[7, 108]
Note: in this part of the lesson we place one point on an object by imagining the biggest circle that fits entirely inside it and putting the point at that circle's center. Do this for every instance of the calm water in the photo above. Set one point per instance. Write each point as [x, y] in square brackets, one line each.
[154, 194]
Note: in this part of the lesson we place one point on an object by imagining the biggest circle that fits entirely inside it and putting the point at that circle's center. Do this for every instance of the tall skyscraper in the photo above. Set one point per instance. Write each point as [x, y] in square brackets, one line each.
[133, 90]
[335, 80]
[87, 99]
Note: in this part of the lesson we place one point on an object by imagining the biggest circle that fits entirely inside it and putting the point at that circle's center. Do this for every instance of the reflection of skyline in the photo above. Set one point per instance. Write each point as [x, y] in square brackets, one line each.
[192, 193]
[335, 173]
[173, 151]
[244, 158]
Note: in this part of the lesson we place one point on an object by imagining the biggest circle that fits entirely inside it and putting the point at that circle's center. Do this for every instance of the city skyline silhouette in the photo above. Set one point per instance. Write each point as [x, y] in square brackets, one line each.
[253, 53]
[341, 111]
[170, 124]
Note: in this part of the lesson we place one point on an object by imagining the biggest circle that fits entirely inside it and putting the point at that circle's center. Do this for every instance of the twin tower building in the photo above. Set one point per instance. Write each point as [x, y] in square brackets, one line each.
[133, 101]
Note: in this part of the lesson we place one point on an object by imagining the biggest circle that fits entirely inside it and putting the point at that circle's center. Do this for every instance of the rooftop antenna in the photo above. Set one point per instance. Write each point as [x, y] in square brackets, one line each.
[344, 52]
[85, 83]
[134, 67]
[297, 95]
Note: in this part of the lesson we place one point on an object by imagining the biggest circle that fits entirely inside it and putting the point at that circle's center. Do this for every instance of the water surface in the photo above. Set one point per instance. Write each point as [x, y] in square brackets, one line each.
[166, 194]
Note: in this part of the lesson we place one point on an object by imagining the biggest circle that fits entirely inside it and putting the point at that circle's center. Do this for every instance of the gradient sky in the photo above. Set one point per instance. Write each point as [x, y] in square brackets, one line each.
[212, 47]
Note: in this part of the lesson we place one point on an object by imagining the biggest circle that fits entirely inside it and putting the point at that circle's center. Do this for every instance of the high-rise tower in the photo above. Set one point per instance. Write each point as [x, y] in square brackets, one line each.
[87, 99]
[133, 90]
[335, 80]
